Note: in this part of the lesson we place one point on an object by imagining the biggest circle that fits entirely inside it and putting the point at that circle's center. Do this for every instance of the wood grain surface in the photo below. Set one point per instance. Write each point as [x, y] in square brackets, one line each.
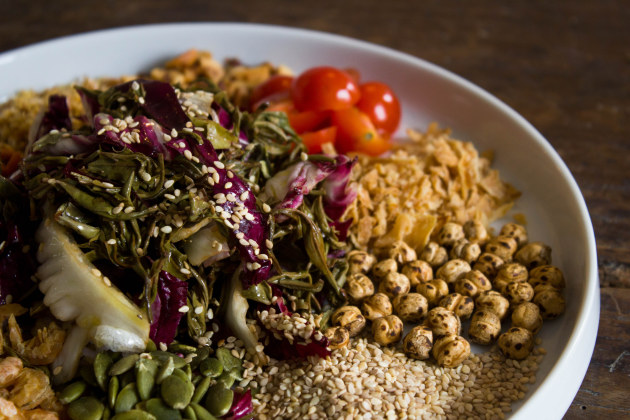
[565, 66]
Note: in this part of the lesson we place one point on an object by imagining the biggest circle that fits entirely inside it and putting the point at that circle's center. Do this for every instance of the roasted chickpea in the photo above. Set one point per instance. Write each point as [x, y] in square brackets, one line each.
[475, 231]
[394, 284]
[384, 267]
[549, 300]
[451, 350]
[434, 254]
[452, 270]
[472, 283]
[402, 253]
[350, 318]
[547, 274]
[488, 264]
[508, 273]
[485, 327]
[518, 292]
[502, 246]
[443, 322]
[417, 272]
[515, 231]
[338, 337]
[462, 306]
[534, 254]
[360, 262]
[359, 286]
[418, 343]
[516, 343]
[527, 315]
[450, 233]
[387, 330]
[465, 250]
[376, 306]
[433, 290]
[411, 307]
[493, 301]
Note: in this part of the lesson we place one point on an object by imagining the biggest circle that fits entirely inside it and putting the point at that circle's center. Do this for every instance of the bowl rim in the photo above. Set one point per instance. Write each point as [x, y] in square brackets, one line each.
[585, 328]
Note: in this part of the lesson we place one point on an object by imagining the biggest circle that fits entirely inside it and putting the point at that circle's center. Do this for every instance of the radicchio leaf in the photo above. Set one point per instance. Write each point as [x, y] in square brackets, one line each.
[242, 405]
[165, 312]
[56, 117]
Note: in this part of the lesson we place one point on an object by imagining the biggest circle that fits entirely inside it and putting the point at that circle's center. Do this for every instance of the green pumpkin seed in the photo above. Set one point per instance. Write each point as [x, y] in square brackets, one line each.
[165, 370]
[189, 413]
[107, 413]
[188, 371]
[151, 346]
[102, 363]
[86, 408]
[127, 398]
[72, 392]
[124, 365]
[201, 389]
[177, 392]
[228, 361]
[229, 377]
[134, 415]
[202, 354]
[127, 378]
[162, 356]
[202, 413]
[86, 372]
[219, 399]
[160, 410]
[181, 348]
[146, 370]
[211, 367]
[181, 374]
[112, 391]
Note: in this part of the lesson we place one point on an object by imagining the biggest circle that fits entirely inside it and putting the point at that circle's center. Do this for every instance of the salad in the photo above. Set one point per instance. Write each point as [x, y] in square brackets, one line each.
[164, 217]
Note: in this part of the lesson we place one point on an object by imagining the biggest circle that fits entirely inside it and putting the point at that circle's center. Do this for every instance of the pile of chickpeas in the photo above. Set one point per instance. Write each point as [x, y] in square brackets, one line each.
[463, 274]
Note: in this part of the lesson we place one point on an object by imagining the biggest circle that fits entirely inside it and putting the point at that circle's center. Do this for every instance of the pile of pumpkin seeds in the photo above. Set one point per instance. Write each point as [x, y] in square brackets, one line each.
[156, 385]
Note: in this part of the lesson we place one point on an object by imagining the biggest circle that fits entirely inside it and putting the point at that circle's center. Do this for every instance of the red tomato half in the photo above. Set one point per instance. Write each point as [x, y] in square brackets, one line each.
[380, 103]
[324, 88]
[276, 86]
[314, 140]
[356, 133]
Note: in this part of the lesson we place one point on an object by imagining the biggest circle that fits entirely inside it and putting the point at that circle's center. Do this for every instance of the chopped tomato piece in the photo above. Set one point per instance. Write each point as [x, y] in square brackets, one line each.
[313, 140]
[356, 133]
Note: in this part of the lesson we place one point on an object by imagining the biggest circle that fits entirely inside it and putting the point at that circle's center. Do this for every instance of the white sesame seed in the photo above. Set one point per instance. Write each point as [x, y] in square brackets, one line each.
[198, 310]
[210, 180]
[96, 272]
[135, 85]
[141, 100]
[169, 196]
[244, 195]
[216, 178]
[129, 209]
[256, 266]
[166, 229]
[219, 164]
[243, 242]
[230, 174]
[146, 177]
[188, 154]
[184, 271]
[184, 309]
[269, 243]
[231, 197]
[266, 208]
[303, 156]
[174, 133]
[228, 185]
[169, 183]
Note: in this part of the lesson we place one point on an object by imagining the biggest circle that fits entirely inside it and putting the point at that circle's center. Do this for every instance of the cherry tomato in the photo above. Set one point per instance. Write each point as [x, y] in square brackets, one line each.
[308, 120]
[380, 103]
[274, 89]
[313, 140]
[301, 122]
[357, 133]
[324, 88]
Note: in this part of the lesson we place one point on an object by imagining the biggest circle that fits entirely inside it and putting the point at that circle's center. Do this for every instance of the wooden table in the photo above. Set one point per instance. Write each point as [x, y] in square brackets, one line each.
[565, 66]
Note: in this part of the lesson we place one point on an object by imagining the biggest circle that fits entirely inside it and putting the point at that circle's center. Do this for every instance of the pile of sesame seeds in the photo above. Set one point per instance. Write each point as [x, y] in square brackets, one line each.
[366, 381]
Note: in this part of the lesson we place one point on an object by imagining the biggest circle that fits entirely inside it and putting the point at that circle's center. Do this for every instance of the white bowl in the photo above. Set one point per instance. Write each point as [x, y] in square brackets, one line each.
[551, 199]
